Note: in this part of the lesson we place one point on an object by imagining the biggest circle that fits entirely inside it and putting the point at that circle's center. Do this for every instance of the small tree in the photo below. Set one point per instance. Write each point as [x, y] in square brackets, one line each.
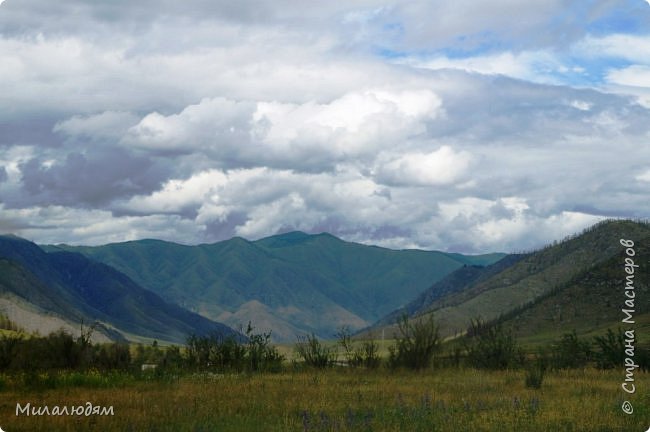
[366, 355]
[611, 351]
[261, 356]
[571, 352]
[490, 347]
[313, 353]
[416, 344]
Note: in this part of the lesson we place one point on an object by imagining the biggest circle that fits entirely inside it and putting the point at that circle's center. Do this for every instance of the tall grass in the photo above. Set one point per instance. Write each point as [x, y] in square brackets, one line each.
[345, 400]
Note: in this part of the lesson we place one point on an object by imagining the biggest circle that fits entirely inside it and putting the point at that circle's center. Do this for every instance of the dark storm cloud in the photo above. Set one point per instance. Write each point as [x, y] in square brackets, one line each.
[33, 130]
[218, 230]
[92, 180]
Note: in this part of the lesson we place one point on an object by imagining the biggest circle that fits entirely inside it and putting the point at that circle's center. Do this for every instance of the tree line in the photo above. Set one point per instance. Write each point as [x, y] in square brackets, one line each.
[417, 346]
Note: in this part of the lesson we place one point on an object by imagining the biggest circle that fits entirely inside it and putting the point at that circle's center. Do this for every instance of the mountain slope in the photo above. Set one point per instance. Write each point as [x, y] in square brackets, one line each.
[455, 282]
[74, 288]
[299, 282]
[589, 303]
[535, 276]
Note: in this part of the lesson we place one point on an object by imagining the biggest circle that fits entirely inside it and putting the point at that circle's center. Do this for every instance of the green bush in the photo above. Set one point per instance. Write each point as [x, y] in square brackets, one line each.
[571, 352]
[366, 355]
[214, 352]
[261, 356]
[535, 374]
[611, 349]
[313, 353]
[488, 346]
[416, 344]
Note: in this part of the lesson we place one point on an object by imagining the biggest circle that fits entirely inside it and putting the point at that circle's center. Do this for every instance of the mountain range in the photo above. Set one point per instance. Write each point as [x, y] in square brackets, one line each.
[291, 284]
[297, 283]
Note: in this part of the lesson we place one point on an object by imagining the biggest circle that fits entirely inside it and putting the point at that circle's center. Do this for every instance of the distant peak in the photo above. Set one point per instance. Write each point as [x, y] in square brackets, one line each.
[286, 239]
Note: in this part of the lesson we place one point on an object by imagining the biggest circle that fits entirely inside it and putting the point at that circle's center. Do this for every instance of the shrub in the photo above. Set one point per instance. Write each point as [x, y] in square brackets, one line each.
[611, 349]
[116, 356]
[313, 353]
[535, 374]
[261, 355]
[367, 355]
[490, 347]
[214, 352]
[571, 352]
[416, 344]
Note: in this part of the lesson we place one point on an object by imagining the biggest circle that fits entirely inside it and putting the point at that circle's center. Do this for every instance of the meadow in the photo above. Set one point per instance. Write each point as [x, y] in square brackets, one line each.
[335, 399]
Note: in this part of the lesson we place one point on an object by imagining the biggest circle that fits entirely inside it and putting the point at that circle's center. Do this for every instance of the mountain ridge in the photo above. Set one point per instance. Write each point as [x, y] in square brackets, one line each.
[78, 289]
[536, 275]
[330, 281]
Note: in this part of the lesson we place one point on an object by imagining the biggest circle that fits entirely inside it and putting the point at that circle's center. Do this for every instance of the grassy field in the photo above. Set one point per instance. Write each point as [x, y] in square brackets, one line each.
[336, 400]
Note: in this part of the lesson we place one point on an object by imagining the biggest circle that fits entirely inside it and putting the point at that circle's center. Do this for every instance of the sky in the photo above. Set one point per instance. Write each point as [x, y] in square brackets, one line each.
[466, 126]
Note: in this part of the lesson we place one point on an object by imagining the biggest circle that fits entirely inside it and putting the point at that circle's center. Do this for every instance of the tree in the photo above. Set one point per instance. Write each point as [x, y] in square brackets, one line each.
[313, 353]
[490, 347]
[416, 344]
[366, 355]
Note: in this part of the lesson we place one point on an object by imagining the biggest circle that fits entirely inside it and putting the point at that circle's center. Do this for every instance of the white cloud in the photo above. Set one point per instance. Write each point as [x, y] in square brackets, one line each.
[211, 123]
[634, 48]
[57, 224]
[637, 76]
[536, 66]
[106, 125]
[644, 176]
[581, 105]
[287, 134]
[176, 195]
[441, 167]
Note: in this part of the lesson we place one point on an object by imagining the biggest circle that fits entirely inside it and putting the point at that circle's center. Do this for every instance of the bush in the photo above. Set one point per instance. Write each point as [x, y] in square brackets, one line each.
[367, 355]
[490, 347]
[571, 352]
[116, 356]
[214, 352]
[535, 374]
[313, 353]
[611, 349]
[261, 356]
[416, 344]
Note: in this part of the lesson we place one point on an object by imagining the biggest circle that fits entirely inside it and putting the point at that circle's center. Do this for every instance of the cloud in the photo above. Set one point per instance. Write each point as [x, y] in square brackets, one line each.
[108, 126]
[440, 167]
[93, 179]
[630, 47]
[427, 124]
[212, 124]
[52, 224]
[644, 177]
[535, 66]
[306, 136]
[637, 76]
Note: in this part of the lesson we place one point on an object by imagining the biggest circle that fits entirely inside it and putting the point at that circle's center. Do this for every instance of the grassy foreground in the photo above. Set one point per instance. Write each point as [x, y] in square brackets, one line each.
[341, 400]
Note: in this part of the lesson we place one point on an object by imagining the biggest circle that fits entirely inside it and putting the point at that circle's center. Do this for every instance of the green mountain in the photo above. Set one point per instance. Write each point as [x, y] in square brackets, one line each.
[291, 283]
[65, 288]
[453, 283]
[575, 283]
[590, 303]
